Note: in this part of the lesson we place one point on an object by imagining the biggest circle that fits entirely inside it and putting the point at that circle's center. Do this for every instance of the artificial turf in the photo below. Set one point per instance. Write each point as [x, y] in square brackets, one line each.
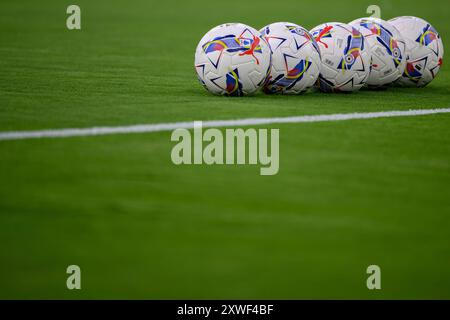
[348, 194]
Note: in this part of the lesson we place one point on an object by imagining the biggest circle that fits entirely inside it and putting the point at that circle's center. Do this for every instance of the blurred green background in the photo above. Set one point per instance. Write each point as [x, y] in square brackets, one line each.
[348, 194]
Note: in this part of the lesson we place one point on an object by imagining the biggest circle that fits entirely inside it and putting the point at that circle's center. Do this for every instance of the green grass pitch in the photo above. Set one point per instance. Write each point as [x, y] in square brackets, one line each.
[348, 194]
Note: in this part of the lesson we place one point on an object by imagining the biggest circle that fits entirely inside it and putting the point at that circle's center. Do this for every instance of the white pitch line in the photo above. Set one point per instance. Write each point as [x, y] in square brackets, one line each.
[140, 128]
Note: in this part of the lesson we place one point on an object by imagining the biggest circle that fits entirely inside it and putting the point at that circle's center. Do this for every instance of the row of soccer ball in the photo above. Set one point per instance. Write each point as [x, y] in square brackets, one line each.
[235, 59]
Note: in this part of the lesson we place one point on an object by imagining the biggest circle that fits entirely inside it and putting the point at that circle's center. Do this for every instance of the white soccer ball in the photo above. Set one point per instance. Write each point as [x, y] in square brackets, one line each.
[295, 58]
[424, 51]
[345, 58]
[387, 48]
[233, 60]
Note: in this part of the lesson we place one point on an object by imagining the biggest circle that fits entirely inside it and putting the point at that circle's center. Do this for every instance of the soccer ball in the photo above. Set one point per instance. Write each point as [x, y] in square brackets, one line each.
[345, 58]
[387, 49]
[233, 60]
[424, 51]
[295, 58]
